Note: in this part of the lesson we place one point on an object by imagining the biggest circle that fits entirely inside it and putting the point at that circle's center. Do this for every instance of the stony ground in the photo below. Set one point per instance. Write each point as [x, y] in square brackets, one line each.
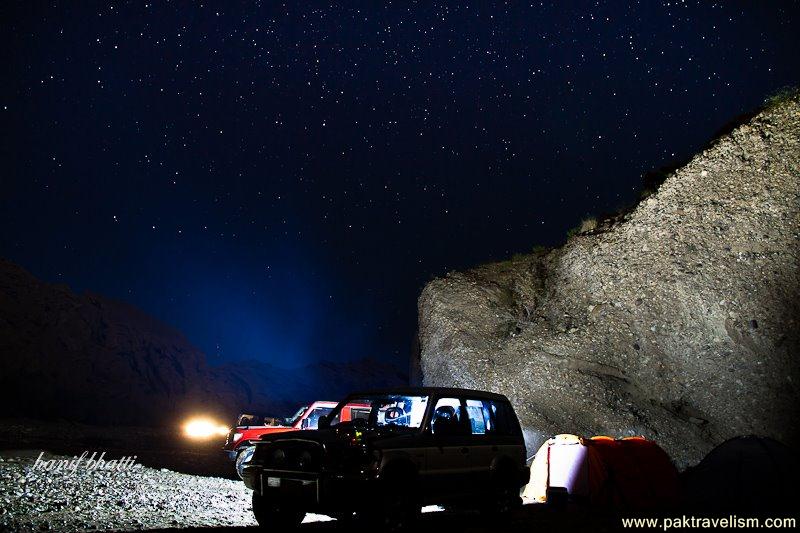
[162, 500]
[155, 499]
[138, 498]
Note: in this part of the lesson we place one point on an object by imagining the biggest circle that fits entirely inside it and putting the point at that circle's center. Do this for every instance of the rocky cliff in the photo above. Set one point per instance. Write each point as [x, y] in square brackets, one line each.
[87, 358]
[677, 321]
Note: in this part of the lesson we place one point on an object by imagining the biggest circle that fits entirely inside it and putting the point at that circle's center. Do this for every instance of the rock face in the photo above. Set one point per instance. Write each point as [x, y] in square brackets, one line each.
[91, 359]
[678, 321]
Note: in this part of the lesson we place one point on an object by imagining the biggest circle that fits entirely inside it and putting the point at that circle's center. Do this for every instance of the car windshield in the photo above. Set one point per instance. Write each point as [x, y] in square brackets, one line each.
[292, 419]
[386, 410]
[259, 420]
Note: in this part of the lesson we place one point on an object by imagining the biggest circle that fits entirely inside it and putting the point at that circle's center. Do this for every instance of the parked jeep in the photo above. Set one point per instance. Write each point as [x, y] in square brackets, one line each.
[417, 446]
[240, 444]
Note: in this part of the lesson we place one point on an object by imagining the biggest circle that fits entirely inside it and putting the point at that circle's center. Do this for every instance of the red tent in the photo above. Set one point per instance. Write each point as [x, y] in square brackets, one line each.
[632, 473]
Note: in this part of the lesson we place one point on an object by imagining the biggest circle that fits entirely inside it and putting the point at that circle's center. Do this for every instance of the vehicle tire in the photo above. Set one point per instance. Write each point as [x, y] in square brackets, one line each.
[397, 509]
[503, 499]
[275, 515]
[243, 457]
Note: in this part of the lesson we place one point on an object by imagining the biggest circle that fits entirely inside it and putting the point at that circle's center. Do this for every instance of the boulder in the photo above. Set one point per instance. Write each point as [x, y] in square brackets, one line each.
[677, 321]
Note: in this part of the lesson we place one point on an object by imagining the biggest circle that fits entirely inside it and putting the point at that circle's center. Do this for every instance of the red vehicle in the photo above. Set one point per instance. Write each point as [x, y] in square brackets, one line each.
[240, 444]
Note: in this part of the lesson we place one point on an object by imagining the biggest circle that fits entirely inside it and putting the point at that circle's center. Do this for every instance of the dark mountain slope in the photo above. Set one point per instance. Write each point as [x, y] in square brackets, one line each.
[92, 359]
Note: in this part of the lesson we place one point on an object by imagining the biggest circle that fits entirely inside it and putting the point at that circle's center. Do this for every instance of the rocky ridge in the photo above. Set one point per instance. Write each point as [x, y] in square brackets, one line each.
[677, 321]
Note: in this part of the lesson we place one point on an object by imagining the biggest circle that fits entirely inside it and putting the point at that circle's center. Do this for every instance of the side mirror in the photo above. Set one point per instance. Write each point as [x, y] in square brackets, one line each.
[324, 422]
[304, 423]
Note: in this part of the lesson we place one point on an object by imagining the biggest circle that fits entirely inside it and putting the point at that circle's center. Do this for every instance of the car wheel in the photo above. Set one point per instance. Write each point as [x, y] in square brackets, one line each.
[243, 457]
[396, 511]
[396, 516]
[504, 499]
[278, 516]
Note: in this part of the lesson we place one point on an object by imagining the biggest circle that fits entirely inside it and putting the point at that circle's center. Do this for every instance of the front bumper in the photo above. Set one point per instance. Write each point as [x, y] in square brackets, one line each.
[315, 490]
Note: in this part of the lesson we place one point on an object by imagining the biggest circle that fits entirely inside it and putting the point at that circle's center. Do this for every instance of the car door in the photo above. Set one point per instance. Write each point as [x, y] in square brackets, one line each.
[447, 453]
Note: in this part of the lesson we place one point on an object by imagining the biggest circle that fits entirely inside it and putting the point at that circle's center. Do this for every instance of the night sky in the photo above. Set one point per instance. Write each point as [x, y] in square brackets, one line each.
[278, 181]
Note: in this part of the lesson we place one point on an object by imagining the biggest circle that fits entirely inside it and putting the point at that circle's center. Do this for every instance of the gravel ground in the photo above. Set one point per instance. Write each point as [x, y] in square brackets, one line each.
[137, 498]
[160, 500]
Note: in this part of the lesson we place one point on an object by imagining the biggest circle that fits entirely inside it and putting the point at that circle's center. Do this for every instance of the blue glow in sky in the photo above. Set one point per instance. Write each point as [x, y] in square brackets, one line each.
[279, 181]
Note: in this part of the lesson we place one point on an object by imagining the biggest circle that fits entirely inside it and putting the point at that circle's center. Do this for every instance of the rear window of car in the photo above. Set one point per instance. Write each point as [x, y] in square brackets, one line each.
[491, 417]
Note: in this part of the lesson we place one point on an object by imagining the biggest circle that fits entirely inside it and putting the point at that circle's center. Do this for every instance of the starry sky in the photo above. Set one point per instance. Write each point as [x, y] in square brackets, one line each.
[279, 180]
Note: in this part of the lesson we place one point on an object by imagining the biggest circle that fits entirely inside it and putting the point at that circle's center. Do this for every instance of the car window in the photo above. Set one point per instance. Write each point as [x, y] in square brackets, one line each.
[449, 418]
[313, 416]
[502, 419]
[392, 413]
[294, 418]
[480, 419]
[359, 413]
[397, 411]
[354, 412]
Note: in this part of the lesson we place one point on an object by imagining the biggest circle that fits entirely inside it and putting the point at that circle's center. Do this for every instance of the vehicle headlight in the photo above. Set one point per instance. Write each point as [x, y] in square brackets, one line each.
[237, 436]
[204, 428]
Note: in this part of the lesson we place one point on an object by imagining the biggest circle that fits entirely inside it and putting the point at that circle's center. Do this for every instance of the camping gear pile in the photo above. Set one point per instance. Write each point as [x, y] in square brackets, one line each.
[631, 473]
[743, 474]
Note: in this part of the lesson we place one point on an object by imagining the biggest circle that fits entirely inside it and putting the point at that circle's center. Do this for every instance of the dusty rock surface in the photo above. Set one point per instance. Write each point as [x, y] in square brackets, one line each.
[677, 321]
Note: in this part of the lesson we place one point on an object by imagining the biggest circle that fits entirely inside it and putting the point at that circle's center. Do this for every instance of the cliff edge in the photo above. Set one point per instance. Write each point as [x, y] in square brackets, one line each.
[677, 321]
